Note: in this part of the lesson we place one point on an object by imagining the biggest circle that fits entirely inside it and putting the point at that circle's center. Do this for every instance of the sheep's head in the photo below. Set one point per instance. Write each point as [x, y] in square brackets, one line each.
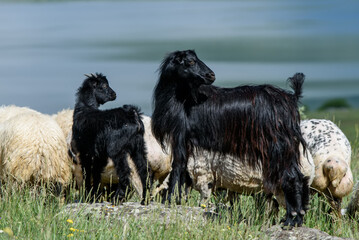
[96, 88]
[335, 169]
[186, 66]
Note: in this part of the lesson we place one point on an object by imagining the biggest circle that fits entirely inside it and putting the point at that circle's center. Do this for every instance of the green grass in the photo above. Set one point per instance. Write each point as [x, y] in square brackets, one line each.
[35, 214]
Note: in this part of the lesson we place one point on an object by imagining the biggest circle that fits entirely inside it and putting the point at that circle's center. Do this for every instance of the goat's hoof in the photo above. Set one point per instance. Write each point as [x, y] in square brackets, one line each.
[145, 202]
[289, 222]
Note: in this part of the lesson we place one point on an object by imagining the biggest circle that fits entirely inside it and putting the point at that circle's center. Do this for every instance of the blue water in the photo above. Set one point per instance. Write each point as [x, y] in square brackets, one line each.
[46, 47]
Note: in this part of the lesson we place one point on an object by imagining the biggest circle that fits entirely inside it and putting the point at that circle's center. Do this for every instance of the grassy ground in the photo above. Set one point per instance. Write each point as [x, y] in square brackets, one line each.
[28, 214]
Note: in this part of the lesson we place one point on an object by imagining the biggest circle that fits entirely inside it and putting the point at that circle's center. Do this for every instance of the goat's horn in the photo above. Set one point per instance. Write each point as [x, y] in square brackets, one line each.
[88, 74]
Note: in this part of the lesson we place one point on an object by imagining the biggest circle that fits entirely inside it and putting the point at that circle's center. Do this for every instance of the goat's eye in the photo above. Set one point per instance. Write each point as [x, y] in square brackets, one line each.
[104, 85]
[191, 62]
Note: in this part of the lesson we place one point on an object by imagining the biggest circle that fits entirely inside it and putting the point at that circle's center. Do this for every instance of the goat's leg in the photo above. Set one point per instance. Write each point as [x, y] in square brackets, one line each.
[117, 144]
[179, 167]
[138, 155]
[98, 166]
[292, 186]
[176, 175]
[233, 198]
[266, 205]
[185, 180]
[123, 172]
[87, 174]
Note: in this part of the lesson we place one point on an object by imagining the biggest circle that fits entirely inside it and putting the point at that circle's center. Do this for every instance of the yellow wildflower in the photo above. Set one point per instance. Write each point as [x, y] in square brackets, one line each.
[70, 235]
[70, 221]
[203, 205]
[8, 231]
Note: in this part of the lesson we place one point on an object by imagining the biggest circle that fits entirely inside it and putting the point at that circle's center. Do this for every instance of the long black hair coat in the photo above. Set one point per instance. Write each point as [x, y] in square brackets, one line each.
[101, 134]
[258, 124]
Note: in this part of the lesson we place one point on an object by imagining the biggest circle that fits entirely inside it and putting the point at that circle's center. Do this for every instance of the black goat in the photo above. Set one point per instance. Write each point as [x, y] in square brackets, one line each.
[258, 124]
[101, 134]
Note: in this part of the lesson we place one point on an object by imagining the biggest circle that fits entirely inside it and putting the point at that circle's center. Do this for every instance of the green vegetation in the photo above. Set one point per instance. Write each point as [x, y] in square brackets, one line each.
[31, 214]
[337, 103]
[243, 49]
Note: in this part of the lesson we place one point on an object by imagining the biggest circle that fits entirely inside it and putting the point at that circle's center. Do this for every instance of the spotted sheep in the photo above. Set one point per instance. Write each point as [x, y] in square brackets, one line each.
[331, 152]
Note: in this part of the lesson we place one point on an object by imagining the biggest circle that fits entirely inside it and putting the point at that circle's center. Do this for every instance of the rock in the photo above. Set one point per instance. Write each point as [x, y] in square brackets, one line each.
[171, 215]
[300, 233]
[122, 212]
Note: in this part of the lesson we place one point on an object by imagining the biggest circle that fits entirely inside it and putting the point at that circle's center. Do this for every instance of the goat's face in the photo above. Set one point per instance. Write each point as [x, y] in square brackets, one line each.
[188, 67]
[101, 89]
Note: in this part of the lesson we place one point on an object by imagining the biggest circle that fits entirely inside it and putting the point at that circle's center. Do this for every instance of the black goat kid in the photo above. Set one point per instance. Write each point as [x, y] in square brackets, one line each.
[258, 124]
[101, 134]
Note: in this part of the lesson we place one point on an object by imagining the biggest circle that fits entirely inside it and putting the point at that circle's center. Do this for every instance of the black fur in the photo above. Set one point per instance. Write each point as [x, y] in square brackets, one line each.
[101, 134]
[258, 124]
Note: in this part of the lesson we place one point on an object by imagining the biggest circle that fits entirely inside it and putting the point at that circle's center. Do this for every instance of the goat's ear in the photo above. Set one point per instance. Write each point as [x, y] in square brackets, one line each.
[94, 84]
[178, 59]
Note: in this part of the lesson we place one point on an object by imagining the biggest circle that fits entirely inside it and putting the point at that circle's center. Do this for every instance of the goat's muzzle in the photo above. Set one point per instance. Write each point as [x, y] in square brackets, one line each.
[113, 96]
[210, 77]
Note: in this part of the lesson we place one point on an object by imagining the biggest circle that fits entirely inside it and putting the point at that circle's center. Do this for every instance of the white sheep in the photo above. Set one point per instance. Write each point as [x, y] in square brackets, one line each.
[7, 112]
[32, 148]
[64, 119]
[331, 152]
[159, 161]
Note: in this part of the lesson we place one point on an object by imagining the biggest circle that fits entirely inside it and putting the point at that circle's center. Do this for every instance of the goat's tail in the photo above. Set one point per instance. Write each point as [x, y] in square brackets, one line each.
[137, 114]
[296, 83]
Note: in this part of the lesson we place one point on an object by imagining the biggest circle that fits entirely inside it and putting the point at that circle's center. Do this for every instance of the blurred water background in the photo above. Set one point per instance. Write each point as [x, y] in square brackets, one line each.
[47, 46]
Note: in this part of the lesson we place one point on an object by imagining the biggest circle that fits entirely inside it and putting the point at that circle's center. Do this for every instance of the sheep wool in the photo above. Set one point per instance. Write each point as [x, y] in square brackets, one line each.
[33, 148]
[7, 112]
[64, 120]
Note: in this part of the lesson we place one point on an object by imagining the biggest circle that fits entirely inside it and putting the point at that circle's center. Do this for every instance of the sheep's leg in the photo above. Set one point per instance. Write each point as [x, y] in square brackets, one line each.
[58, 189]
[293, 183]
[138, 155]
[353, 205]
[334, 202]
